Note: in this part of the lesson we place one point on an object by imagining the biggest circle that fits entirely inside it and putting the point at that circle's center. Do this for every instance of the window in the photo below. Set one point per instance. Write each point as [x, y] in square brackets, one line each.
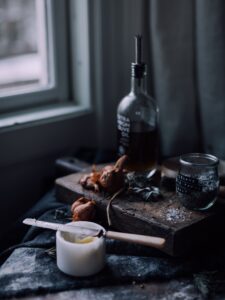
[23, 49]
[33, 53]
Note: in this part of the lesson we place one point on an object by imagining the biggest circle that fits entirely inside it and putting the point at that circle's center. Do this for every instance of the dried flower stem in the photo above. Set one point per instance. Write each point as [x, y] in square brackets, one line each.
[110, 203]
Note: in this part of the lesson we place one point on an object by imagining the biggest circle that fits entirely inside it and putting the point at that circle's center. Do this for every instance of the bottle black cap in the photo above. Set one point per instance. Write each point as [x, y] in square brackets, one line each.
[138, 68]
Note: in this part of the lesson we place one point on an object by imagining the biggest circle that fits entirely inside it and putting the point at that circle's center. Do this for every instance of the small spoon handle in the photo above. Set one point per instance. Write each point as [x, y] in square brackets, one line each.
[146, 240]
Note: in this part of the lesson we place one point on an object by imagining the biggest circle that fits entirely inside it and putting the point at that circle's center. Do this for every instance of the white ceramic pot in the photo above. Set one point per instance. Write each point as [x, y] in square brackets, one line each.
[80, 259]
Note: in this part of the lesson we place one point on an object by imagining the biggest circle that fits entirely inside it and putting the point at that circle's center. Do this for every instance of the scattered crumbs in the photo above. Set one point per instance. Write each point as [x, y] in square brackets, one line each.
[175, 214]
[133, 282]
[142, 286]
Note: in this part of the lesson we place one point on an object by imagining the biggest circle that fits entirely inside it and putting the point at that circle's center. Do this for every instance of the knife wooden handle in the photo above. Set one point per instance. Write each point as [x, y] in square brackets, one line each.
[146, 240]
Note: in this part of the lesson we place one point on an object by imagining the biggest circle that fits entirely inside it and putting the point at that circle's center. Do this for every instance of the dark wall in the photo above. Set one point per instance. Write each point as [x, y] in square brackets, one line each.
[27, 157]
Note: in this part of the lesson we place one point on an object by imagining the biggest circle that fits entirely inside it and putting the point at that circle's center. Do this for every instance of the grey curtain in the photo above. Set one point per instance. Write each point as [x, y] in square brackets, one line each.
[187, 40]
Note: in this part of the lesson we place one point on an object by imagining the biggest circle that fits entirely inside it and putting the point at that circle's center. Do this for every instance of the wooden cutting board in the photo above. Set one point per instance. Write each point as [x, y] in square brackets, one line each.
[185, 231]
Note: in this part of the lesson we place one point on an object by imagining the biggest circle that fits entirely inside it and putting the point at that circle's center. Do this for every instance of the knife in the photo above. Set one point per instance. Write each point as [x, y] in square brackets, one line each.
[151, 241]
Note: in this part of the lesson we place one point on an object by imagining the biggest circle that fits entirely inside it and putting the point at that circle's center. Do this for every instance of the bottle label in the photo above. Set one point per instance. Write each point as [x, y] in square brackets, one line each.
[123, 126]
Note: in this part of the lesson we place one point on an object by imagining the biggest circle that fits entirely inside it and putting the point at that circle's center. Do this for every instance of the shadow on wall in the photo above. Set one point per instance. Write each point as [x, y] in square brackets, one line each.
[21, 186]
[27, 157]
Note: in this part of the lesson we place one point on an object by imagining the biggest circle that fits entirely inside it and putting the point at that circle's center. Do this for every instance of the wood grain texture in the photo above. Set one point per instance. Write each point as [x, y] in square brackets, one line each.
[184, 233]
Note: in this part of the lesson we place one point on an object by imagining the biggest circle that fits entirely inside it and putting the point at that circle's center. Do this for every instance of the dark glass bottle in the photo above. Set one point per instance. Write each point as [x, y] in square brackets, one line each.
[137, 120]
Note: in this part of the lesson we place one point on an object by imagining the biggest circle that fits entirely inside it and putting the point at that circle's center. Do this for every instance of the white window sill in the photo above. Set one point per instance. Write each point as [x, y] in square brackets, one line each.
[35, 116]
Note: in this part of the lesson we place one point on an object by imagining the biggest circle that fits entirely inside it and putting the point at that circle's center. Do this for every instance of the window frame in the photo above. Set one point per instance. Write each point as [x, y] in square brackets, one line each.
[75, 94]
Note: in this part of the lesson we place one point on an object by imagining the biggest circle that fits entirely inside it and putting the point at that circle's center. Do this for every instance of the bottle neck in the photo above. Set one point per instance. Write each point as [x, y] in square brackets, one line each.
[138, 85]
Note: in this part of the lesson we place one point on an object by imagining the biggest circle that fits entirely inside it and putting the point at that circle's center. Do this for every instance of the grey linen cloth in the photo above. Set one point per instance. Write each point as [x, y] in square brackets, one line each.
[31, 270]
